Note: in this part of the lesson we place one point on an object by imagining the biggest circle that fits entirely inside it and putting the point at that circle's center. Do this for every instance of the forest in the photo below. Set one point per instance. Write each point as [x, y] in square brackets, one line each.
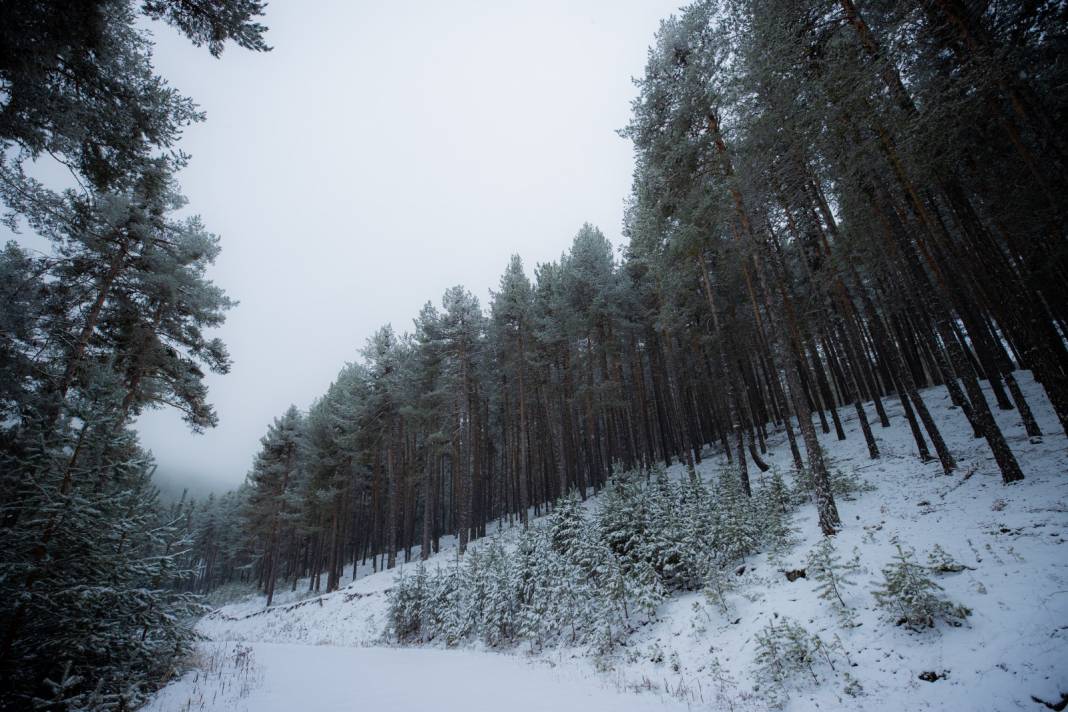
[835, 206]
[829, 209]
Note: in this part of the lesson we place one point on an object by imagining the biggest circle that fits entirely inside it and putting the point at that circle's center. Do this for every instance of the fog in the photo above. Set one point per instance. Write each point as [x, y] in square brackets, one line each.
[381, 153]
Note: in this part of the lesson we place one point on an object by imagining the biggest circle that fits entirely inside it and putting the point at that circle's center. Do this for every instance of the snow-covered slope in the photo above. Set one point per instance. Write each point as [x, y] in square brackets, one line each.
[1014, 645]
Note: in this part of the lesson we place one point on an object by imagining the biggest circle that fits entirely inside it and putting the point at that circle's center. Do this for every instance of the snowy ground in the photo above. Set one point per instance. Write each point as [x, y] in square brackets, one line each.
[291, 676]
[327, 653]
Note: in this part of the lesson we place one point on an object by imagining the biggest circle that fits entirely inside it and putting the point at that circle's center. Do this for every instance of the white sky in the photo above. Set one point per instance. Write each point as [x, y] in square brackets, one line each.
[380, 154]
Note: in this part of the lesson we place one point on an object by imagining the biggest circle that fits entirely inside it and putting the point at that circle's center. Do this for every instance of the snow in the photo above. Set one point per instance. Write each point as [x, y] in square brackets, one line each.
[289, 676]
[327, 652]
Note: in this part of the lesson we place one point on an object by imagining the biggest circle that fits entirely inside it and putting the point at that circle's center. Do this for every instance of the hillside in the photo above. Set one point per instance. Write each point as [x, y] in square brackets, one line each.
[656, 356]
[1006, 563]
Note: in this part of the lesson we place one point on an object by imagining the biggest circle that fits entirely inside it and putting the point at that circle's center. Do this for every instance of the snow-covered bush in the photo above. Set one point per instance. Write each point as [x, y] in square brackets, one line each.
[832, 575]
[622, 517]
[787, 655]
[672, 544]
[773, 510]
[718, 584]
[406, 604]
[90, 579]
[737, 529]
[500, 604]
[940, 561]
[577, 578]
[561, 584]
[911, 598]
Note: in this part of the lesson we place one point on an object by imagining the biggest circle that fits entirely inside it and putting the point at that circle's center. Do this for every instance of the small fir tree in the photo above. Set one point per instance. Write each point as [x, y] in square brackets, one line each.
[832, 575]
[911, 598]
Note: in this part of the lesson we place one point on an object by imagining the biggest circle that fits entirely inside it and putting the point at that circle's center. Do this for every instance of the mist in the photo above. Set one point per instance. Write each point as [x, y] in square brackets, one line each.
[381, 153]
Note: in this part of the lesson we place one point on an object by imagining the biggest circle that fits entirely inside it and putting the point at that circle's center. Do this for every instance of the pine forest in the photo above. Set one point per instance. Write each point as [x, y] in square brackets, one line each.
[796, 439]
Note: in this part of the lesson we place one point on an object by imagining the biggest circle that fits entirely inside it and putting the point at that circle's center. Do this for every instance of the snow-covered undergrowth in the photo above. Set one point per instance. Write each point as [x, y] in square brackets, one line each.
[224, 675]
[939, 592]
[578, 578]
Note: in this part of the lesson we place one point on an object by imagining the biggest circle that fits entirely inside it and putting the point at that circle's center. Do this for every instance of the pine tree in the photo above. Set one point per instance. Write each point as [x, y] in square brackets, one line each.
[773, 512]
[96, 610]
[831, 205]
[665, 545]
[80, 83]
[785, 651]
[832, 575]
[511, 313]
[461, 332]
[911, 598]
[90, 574]
[735, 534]
[533, 622]
[274, 480]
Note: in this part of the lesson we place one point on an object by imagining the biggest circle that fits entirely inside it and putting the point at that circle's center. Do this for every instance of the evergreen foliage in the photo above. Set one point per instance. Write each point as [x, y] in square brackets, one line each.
[910, 598]
[787, 656]
[832, 205]
[774, 514]
[940, 561]
[92, 618]
[845, 484]
[577, 578]
[111, 321]
[833, 575]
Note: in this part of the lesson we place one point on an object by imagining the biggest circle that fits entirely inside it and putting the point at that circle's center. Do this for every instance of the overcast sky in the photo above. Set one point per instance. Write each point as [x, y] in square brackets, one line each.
[380, 154]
